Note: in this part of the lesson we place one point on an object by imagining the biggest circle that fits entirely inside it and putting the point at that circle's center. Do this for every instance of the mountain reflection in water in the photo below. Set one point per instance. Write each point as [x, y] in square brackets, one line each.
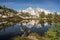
[25, 25]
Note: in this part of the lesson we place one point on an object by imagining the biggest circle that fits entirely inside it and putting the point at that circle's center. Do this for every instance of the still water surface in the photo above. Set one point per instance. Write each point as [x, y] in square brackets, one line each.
[26, 25]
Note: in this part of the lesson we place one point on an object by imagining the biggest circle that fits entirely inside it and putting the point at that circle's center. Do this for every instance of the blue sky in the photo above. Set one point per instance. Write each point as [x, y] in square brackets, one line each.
[52, 5]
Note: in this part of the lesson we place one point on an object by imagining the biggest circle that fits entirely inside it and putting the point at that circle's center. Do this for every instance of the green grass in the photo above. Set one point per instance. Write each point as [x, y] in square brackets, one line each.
[58, 24]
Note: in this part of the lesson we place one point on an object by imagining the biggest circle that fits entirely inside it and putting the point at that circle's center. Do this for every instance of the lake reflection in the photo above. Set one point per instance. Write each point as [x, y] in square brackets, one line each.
[23, 26]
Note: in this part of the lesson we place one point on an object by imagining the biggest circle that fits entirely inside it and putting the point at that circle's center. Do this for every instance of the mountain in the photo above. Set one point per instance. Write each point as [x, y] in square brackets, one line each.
[7, 11]
[3, 8]
[35, 11]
